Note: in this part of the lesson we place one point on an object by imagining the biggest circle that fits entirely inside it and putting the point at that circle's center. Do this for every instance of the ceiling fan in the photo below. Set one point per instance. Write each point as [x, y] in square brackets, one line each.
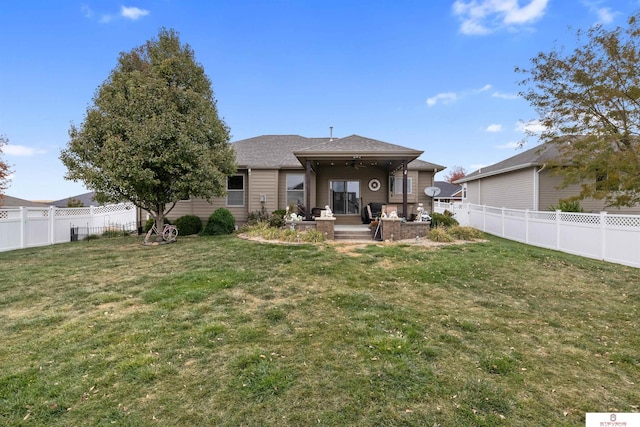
[355, 164]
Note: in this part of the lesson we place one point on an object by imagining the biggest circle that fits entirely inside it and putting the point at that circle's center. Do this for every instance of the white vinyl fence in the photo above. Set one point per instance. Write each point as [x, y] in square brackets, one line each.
[27, 227]
[613, 238]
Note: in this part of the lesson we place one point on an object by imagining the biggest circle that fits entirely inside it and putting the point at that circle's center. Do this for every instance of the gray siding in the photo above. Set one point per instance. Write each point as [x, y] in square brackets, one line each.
[262, 182]
[514, 190]
[551, 194]
[203, 209]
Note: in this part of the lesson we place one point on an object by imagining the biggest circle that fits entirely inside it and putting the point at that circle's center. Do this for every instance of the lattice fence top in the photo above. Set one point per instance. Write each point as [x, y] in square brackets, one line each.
[113, 208]
[549, 216]
[580, 218]
[37, 212]
[66, 212]
[626, 221]
[10, 214]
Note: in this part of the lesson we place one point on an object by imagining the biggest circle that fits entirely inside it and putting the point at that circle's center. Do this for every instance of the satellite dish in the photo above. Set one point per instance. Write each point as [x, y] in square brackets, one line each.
[432, 191]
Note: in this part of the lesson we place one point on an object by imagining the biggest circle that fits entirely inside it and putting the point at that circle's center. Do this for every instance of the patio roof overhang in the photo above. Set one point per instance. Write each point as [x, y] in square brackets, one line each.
[385, 160]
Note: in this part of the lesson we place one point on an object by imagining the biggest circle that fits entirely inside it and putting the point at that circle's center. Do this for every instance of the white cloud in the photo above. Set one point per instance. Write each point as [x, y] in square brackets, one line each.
[484, 88]
[532, 126]
[503, 95]
[86, 11]
[481, 17]
[494, 128]
[133, 13]
[21, 150]
[445, 98]
[605, 15]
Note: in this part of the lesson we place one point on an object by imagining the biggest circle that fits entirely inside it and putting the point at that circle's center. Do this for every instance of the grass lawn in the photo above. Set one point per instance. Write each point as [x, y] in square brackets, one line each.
[227, 332]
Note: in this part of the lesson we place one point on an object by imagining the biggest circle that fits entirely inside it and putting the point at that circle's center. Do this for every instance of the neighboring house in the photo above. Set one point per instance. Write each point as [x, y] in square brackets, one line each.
[14, 202]
[280, 171]
[86, 199]
[524, 182]
[449, 193]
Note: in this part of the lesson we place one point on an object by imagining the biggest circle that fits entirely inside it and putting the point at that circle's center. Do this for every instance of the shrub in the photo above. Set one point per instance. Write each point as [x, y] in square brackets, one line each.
[115, 233]
[440, 235]
[277, 218]
[220, 222]
[464, 233]
[567, 206]
[258, 216]
[442, 220]
[189, 224]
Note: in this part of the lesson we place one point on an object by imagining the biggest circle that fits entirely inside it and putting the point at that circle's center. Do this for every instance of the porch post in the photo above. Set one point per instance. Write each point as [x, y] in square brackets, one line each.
[307, 189]
[404, 189]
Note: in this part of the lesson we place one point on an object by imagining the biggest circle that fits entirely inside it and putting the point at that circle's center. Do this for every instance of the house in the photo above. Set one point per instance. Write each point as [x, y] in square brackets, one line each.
[307, 174]
[449, 193]
[15, 202]
[81, 200]
[524, 182]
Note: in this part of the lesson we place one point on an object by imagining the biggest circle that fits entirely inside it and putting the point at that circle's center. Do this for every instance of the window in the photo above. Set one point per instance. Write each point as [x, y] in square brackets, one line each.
[345, 197]
[235, 190]
[395, 185]
[606, 181]
[464, 191]
[295, 189]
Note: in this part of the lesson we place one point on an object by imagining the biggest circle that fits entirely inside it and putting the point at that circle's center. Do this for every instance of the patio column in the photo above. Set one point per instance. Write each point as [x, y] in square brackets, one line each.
[307, 189]
[404, 189]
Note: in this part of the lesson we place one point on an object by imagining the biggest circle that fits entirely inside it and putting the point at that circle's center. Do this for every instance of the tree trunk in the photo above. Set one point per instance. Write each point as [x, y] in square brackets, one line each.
[159, 221]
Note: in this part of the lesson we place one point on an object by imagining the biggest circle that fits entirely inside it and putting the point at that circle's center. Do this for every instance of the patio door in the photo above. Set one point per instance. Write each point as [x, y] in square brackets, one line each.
[345, 197]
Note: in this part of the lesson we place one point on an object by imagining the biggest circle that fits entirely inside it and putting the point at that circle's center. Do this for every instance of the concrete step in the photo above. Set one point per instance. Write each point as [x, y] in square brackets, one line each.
[352, 235]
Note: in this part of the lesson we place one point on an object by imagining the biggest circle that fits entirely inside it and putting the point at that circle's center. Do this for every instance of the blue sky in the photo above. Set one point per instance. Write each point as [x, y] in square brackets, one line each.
[433, 75]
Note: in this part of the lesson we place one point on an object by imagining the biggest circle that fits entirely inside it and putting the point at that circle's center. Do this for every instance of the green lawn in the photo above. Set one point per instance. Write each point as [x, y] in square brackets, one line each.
[227, 332]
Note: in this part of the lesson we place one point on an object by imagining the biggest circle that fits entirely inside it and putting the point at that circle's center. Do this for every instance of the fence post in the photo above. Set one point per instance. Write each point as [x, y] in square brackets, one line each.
[558, 217]
[503, 221]
[52, 225]
[526, 226]
[603, 235]
[23, 227]
[484, 218]
[91, 224]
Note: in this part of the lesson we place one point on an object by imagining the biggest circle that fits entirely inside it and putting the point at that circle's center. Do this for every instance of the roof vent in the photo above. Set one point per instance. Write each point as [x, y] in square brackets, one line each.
[330, 133]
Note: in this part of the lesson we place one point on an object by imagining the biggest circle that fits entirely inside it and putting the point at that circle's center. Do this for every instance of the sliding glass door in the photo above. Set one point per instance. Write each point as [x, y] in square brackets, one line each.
[345, 197]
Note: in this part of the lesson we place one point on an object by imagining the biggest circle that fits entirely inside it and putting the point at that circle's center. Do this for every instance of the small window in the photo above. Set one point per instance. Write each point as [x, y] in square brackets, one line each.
[606, 181]
[464, 191]
[395, 185]
[295, 189]
[235, 190]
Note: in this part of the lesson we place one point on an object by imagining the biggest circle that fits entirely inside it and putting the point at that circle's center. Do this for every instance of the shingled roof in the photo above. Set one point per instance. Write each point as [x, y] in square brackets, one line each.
[536, 156]
[280, 151]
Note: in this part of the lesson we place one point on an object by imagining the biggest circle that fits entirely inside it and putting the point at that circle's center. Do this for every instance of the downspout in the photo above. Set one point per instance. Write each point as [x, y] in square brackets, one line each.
[250, 187]
[536, 188]
[307, 189]
[404, 188]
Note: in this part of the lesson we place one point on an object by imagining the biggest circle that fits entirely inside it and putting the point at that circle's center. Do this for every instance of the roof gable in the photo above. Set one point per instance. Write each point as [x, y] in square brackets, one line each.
[536, 156]
[447, 190]
[286, 151]
[358, 143]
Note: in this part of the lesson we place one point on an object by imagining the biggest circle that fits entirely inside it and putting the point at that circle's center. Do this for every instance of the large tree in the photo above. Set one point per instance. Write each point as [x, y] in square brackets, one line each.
[152, 135]
[589, 103]
[4, 169]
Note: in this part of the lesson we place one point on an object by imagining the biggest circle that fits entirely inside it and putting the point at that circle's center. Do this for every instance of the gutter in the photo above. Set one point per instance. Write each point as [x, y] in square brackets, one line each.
[496, 172]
